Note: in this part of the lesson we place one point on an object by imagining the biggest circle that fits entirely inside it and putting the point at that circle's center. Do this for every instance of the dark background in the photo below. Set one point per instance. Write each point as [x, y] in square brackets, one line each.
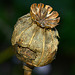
[11, 10]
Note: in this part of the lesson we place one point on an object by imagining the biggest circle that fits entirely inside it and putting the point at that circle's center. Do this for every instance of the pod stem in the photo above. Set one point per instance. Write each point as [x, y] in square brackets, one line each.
[27, 69]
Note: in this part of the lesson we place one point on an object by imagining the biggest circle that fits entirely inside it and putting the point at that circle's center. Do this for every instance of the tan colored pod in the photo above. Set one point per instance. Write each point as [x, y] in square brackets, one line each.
[43, 42]
[35, 44]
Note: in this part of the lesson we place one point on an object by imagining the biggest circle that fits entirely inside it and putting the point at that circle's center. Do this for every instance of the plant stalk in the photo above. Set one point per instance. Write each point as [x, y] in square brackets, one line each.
[28, 69]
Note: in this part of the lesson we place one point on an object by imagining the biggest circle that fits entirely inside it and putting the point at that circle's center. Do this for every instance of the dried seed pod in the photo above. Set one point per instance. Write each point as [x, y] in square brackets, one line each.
[34, 37]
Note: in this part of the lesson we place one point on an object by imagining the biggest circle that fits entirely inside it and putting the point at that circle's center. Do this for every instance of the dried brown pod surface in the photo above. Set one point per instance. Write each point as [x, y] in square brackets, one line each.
[33, 44]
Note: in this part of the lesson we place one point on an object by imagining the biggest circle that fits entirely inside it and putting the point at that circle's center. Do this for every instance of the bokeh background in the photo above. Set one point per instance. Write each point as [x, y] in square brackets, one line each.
[64, 64]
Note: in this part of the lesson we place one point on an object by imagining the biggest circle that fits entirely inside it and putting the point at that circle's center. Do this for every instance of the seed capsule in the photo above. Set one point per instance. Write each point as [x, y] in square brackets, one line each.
[34, 37]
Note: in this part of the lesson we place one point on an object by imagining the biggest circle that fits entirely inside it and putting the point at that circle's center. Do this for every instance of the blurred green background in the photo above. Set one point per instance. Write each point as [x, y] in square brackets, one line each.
[11, 10]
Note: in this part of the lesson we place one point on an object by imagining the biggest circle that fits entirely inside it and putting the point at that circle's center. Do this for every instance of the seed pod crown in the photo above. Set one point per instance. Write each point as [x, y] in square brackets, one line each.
[43, 15]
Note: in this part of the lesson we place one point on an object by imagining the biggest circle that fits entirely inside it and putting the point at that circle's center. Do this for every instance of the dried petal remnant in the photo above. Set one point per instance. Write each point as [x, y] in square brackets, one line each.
[43, 16]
